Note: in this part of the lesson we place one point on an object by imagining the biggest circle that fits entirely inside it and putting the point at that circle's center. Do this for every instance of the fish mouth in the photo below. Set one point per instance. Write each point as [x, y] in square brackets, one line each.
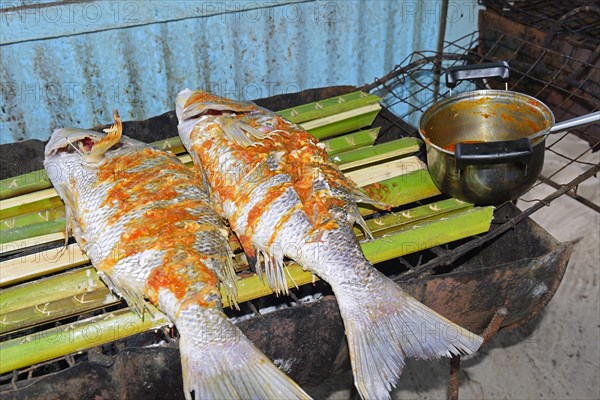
[198, 103]
[72, 140]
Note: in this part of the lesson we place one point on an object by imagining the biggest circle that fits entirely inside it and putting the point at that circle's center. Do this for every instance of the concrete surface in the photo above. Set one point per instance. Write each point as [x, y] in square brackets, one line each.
[555, 356]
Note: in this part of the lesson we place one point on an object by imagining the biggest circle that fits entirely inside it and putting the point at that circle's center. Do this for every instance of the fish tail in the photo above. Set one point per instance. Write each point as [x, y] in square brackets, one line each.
[219, 362]
[384, 325]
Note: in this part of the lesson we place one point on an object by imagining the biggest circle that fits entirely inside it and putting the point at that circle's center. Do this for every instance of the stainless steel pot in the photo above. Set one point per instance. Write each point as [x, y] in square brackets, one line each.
[487, 146]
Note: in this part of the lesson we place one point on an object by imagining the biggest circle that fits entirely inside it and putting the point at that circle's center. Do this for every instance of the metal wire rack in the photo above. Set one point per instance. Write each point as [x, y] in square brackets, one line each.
[575, 21]
[569, 84]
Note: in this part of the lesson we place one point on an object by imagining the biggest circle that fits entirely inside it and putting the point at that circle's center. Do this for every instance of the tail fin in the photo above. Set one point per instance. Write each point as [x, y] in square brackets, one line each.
[385, 326]
[219, 362]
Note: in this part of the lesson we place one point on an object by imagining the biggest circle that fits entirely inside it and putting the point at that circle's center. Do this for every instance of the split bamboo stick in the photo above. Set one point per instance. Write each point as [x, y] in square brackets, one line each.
[324, 108]
[37, 217]
[342, 123]
[369, 155]
[71, 338]
[351, 141]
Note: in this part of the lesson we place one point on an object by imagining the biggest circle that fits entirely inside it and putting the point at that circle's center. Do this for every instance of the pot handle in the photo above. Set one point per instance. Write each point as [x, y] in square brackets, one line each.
[477, 71]
[519, 150]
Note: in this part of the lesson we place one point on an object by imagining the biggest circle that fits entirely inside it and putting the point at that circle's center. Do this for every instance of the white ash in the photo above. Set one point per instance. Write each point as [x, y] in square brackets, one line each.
[311, 298]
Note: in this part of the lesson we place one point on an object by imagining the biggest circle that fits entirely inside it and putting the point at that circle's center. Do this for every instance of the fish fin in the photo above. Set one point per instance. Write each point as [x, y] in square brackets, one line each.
[68, 222]
[384, 325]
[251, 253]
[113, 135]
[222, 265]
[194, 103]
[72, 227]
[239, 132]
[219, 362]
[134, 298]
[271, 269]
[362, 198]
[274, 270]
[199, 170]
[68, 229]
[355, 216]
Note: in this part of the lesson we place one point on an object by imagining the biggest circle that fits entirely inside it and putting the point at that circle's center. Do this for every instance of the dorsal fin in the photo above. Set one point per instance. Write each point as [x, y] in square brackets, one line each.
[239, 132]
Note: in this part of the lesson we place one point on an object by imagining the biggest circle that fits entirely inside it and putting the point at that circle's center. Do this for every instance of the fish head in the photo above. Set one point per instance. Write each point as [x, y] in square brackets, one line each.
[69, 151]
[76, 143]
[198, 103]
[193, 106]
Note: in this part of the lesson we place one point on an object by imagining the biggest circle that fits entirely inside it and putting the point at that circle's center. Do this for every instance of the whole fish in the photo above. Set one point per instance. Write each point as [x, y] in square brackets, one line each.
[147, 225]
[284, 197]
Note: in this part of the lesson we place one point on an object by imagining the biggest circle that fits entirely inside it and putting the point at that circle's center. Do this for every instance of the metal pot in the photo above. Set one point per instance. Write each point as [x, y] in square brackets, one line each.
[487, 146]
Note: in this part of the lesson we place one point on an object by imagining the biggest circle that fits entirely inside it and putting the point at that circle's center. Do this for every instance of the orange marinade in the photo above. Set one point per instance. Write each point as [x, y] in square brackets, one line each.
[169, 227]
[301, 158]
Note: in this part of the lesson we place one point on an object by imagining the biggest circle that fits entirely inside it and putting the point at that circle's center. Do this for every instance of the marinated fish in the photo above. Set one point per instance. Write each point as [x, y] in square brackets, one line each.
[147, 225]
[283, 197]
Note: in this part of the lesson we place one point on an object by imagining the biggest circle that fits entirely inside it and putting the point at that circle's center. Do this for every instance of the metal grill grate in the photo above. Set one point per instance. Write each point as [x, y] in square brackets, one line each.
[569, 84]
[577, 21]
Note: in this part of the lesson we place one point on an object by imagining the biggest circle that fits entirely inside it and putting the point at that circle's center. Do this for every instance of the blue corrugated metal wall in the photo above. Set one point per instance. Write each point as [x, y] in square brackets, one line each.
[70, 64]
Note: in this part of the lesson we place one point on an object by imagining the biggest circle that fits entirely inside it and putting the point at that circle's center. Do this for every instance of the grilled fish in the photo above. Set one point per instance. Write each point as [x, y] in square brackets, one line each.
[147, 225]
[283, 197]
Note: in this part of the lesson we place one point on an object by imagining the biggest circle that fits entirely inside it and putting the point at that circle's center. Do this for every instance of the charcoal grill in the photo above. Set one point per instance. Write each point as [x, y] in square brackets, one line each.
[452, 278]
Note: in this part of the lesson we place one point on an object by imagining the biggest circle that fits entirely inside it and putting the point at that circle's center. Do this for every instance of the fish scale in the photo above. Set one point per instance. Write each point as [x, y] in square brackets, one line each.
[147, 225]
[309, 217]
